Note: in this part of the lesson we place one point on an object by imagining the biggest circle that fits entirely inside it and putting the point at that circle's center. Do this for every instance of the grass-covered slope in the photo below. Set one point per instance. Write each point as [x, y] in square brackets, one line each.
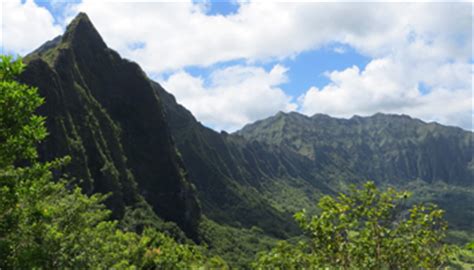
[102, 110]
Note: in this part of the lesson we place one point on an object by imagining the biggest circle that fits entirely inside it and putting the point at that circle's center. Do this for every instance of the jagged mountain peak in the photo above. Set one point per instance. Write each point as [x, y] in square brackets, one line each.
[81, 31]
[81, 17]
[81, 38]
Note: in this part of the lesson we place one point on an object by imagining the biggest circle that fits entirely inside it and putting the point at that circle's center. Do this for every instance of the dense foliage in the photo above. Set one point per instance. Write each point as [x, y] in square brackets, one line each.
[462, 257]
[366, 229]
[44, 224]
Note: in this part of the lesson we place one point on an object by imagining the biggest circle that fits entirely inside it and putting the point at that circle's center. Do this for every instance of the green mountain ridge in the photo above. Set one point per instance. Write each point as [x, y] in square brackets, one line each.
[384, 147]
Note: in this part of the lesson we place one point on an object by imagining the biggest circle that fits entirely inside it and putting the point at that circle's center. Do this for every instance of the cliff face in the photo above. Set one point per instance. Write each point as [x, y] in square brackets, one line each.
[102, 110]
[386, 148]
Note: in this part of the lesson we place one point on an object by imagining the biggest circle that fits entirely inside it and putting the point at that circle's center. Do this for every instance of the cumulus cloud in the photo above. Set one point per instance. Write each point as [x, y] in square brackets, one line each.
[386, 85]
[233, 96]
[262, 30]
[25, 26]
[431, 49]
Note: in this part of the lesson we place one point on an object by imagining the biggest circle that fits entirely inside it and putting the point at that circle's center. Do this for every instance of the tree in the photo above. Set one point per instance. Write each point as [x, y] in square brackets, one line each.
[365, 229]
[20, 130]
[462, 257]
[45, 225]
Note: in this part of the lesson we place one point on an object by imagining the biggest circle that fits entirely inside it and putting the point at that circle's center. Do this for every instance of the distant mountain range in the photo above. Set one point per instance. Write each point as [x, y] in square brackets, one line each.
[386, 148]
[129, 136]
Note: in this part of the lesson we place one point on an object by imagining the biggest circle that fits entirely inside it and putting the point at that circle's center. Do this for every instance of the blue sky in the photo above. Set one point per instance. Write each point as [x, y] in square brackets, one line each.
[305, 70]
[233, 63]
[222, 7]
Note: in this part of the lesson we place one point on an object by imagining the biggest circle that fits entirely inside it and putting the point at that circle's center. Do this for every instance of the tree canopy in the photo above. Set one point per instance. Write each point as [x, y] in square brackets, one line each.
[365, 229]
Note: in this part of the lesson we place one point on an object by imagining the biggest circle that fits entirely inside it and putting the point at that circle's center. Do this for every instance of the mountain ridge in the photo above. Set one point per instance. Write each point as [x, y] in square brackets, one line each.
[104, 106]
[353, 117]
[305, 135]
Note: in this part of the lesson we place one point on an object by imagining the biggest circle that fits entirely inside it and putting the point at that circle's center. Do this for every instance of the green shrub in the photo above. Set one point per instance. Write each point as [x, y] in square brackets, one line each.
[366, 229]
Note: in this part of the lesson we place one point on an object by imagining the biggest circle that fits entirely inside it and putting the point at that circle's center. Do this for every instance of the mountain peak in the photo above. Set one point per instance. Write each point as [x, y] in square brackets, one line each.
[81, 20]
[81, 16]
[81, 30]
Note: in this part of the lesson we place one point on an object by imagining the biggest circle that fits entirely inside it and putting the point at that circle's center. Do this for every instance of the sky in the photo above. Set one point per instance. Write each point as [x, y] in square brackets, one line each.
[232, 63]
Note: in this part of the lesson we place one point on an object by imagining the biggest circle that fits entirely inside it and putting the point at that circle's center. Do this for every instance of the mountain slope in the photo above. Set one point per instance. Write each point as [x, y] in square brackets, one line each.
[237, 181]
[433, 161]
[289, 160]
[388, 148]
[102, 110]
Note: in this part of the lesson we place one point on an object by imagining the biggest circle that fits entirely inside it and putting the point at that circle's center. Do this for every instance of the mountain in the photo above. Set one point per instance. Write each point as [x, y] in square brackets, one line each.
[129, 137]
[432, 160]
[386, 148]
[102, 111]
[289, 160]
[242, 183]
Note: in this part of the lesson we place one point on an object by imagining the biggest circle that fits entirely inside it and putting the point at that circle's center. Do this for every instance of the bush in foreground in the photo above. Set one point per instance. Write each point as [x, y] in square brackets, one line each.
[366, 229]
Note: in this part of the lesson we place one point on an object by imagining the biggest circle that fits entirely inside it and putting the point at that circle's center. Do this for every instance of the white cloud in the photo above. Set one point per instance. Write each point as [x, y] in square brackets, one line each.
[181, 34]
[386, 85]
[429, 48]
[25, 26]
[234, 95]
